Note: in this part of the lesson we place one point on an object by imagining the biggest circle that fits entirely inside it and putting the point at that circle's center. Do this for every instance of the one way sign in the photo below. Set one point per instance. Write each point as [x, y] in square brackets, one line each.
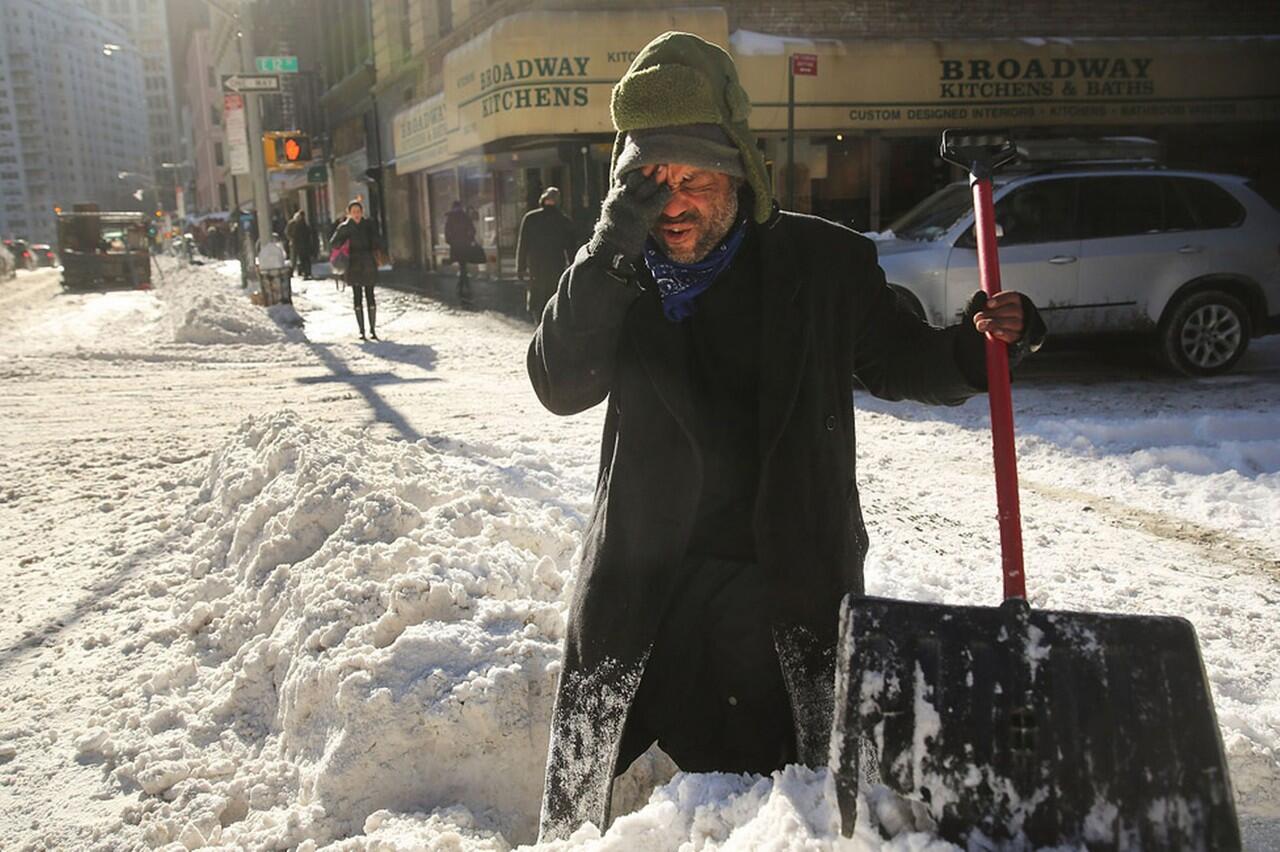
[250, 83]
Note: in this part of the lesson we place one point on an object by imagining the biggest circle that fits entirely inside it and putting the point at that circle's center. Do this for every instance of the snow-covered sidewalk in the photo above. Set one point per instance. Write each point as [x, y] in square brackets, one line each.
[271, 587]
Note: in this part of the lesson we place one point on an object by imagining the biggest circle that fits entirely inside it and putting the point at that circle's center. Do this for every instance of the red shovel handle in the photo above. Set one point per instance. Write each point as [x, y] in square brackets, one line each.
[1001, 400]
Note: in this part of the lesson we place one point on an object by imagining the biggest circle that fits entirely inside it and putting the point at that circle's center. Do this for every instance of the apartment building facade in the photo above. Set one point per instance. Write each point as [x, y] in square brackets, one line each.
[72, 116]
[146, 27]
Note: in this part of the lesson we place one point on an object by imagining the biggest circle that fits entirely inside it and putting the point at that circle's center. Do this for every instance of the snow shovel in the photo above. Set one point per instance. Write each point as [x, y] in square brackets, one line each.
[1015, 728]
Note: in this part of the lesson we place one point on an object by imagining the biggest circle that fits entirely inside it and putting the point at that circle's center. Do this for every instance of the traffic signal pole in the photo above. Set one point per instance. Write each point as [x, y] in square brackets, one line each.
[253, 120]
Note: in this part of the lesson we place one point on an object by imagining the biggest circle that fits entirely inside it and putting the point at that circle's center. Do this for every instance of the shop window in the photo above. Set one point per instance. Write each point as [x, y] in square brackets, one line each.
[479, 202]
[442, 189]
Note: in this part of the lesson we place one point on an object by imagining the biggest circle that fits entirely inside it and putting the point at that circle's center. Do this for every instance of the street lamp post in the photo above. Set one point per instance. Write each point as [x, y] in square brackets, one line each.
[179, 208]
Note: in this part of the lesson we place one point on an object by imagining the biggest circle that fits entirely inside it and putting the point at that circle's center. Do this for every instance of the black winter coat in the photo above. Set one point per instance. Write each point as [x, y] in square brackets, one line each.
[828, 316]
[364, 242]
[301, 238]
[545, 243]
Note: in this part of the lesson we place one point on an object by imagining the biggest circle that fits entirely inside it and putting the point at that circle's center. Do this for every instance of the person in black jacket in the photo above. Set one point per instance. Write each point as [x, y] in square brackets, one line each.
[301, 239]
[725, 338]
[460, 234]
[366, 251]
[543, 249]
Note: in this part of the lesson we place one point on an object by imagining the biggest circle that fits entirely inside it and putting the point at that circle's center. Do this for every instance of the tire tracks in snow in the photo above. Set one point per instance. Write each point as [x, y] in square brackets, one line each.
[1217, 546]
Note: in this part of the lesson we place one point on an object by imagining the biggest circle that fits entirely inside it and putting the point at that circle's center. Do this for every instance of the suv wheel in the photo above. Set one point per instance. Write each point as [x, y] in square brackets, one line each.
[1206, 333]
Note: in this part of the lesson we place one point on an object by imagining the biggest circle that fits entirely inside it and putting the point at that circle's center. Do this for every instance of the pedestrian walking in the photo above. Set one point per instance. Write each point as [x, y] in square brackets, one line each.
[460, 234]
[365, 252]
[544, 248]
[301, 238]
[727, 336]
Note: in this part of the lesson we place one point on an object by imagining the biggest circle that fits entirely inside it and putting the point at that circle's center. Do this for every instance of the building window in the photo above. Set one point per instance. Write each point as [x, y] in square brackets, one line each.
[215, 118]
[406, 40]
[446, 16]
[217, 153]
[222, 196]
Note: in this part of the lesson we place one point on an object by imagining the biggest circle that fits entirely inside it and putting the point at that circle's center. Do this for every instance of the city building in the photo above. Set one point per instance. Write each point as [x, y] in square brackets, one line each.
[353, 140]
[208, 143]
[72, 116]
[512, 95]
[146, 25]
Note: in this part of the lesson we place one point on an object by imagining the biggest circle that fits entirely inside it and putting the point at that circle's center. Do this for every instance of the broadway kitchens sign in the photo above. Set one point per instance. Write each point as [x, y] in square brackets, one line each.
[1023, 82]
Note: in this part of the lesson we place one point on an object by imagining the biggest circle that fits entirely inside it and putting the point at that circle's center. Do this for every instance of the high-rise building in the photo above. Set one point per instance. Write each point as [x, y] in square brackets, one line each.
[146, 23]
[72, 115]
[208, 143]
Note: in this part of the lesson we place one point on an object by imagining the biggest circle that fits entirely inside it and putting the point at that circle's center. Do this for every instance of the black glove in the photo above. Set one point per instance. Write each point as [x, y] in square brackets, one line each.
[1034, 330]
[630, 211]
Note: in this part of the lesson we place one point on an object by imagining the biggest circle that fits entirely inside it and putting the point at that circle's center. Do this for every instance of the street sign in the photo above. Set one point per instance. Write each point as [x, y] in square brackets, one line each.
[317, 174]
[805, 64]
[233, 126]
[250, 83]
[276, 64]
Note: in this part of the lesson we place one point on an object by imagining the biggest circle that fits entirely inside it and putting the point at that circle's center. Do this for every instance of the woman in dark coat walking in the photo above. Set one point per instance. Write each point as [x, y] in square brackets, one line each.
[365, 246]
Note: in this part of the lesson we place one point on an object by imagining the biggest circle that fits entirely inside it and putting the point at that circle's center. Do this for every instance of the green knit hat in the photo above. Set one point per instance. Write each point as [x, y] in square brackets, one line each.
[680, 79]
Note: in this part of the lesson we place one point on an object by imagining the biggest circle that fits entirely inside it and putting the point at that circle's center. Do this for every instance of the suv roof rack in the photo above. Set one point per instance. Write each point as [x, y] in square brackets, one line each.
[1104, 152]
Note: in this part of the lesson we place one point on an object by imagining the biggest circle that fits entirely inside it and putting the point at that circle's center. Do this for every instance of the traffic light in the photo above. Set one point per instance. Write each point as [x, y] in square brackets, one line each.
[297, 149]
[286, 149]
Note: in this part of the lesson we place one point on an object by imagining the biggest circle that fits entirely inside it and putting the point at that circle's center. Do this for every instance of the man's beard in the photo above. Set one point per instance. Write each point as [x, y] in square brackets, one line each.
[713, 228]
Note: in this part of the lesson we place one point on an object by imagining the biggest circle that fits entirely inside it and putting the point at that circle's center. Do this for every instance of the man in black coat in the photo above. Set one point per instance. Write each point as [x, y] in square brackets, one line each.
[301, 241]
[724, 337]
[543, 249]
[460, 234]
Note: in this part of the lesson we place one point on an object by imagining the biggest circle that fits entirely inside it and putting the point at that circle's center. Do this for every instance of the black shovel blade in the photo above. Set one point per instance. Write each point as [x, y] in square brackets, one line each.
[1020, 729]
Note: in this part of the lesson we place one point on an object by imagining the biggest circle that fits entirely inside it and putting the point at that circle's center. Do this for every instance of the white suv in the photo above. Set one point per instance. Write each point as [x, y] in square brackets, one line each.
[1189, 256]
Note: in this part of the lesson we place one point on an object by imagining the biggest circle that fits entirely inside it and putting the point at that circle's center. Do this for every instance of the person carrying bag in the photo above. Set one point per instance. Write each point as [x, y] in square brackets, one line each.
[359, 263]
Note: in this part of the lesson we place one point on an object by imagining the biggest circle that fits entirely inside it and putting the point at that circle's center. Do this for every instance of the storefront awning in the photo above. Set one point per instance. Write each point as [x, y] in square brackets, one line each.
[506, 83]
[874, 85]
[509, 81]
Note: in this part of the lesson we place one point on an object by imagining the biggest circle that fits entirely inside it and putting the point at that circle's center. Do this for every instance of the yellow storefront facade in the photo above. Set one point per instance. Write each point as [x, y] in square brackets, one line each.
[525, 104]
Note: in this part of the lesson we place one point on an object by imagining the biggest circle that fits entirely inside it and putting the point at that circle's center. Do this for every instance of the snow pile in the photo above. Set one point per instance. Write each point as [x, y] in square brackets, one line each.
[207, 310]
[357, 626]
[357, 649]
[1245, 442]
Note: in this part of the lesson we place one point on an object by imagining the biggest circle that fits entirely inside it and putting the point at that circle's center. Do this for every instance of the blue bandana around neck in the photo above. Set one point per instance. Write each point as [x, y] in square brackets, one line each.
[680, 283]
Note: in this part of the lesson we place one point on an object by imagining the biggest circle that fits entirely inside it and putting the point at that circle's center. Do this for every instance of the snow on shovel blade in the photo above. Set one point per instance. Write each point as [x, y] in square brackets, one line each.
[1022, 729]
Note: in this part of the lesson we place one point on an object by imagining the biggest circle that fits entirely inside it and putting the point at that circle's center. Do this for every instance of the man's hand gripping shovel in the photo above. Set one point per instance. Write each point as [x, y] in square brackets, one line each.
[1016, 728]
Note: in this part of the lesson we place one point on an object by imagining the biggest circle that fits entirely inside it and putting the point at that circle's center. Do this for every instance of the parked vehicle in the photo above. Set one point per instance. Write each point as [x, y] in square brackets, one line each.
[104, 249]
[8, 269]
[21, 253]
[1189, 258]
[43, 254]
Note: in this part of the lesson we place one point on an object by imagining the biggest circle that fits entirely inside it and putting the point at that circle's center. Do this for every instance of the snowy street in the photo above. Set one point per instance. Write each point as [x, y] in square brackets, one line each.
[269, 586]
